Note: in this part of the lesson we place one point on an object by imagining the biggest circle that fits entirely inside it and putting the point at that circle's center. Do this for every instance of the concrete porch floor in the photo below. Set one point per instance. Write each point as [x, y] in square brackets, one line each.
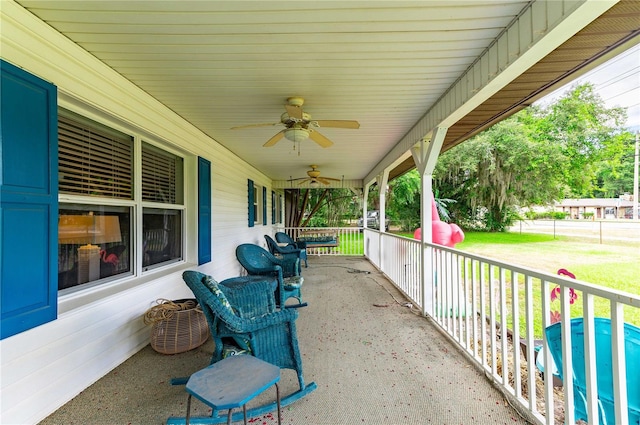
[374, 360]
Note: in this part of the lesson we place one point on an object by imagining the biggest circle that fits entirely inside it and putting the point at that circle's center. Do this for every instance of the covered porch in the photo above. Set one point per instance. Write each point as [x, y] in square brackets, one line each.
[177, 80]
[373, 356]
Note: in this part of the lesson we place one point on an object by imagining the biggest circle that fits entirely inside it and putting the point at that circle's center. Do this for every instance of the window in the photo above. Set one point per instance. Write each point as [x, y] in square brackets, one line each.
[256, 204]
[98, 204]
[276, 208]
[274, 220]
[162, 174]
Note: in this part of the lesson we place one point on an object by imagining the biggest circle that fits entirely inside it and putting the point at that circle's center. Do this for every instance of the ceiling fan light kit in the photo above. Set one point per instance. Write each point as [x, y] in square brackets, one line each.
[296, 134]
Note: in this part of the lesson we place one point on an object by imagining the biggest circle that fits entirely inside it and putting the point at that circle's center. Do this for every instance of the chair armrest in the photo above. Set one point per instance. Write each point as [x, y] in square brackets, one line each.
[245, 325]
[289, 249]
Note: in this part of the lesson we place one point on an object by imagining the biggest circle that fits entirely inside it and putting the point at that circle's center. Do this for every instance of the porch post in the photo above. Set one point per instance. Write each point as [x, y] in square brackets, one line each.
[365, 197]
[425, 155]
[382, 181]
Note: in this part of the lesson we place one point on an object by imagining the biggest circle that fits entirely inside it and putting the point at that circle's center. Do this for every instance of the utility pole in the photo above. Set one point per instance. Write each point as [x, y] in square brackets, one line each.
[636, 211]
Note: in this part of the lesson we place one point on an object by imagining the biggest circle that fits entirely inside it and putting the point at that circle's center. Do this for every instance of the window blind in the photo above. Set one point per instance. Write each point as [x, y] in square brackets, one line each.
[93, 160]
[161, 176]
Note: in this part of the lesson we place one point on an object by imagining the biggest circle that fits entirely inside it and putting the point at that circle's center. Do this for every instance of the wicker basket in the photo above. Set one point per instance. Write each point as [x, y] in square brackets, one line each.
[178, 326]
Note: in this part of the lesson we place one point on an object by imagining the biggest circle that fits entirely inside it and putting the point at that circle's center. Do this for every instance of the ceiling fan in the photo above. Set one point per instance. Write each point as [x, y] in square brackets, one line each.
[299, 126]
[314, 177]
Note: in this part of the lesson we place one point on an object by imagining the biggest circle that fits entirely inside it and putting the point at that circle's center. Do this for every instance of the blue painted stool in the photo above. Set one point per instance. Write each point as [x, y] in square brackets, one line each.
[231, 383]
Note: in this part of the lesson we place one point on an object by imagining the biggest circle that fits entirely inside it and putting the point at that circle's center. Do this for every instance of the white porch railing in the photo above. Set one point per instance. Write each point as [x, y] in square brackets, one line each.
[477, 301]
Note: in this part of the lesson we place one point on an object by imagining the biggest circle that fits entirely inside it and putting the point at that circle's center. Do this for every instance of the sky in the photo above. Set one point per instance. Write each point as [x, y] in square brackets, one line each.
[617, 82]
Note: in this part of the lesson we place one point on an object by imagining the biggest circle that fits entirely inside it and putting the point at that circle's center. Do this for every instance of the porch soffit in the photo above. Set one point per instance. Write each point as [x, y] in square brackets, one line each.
[613, 32]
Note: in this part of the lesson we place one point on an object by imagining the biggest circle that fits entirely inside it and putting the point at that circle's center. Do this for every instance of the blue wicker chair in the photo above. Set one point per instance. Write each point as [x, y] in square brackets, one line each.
[282, 237]
[283, 251]
[258, 261]
[234, 315]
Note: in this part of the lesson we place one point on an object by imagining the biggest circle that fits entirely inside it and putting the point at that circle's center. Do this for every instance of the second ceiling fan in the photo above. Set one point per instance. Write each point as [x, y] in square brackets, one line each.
[299, 126]
[314, 177]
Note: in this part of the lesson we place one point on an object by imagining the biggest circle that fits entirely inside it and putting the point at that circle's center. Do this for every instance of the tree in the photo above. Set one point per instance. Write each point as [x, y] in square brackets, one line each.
[586, 132]
[496, 171]
[615, 172]
[532, 158]
[403, 201]
[319, 207]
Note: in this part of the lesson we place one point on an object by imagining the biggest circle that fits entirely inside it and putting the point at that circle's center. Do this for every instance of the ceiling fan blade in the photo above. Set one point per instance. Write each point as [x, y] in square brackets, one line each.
[294, 111]
[337, 123]
[323, 180]
[320, 139]
[275, 139]
[264, 124]
[331, 178]
[303, 181]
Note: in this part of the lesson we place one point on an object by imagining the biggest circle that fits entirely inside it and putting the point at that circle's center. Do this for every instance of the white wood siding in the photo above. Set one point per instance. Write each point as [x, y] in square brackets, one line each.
[99, 328]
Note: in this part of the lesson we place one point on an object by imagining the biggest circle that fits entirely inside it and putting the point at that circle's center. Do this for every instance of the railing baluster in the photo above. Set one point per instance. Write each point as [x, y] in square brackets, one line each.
[590, 358]
[531, 376]
[567, 360]
[474, 306]
[619, 366]
[465, 271]
[483, 314]
[503, 328]
[515, 316]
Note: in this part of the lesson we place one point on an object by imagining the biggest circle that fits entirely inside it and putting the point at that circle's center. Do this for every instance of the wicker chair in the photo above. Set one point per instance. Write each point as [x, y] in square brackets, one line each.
[284, 251]
[270, 336]
[258, 261]
[282, 237]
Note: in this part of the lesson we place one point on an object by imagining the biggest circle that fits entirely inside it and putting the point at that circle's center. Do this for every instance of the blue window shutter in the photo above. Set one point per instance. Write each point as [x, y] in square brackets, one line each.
[273, 207]
[204, 211]
[264, 205]
[29, 206]
[251, 211]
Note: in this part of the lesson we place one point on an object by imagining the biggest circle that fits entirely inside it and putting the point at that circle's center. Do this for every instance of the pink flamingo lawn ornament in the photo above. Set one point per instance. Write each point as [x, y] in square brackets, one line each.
[555, 294]
[447, 234]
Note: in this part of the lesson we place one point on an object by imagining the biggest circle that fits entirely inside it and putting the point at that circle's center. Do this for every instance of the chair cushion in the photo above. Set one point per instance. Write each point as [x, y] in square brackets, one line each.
[293, 282]
[211, 283]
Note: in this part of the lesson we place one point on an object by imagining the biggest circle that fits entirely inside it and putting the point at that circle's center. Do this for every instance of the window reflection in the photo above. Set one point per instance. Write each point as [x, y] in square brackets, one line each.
[161, 236]
[93, 243]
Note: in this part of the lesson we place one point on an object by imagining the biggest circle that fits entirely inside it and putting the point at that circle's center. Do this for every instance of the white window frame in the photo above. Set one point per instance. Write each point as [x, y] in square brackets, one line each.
[79, 295]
